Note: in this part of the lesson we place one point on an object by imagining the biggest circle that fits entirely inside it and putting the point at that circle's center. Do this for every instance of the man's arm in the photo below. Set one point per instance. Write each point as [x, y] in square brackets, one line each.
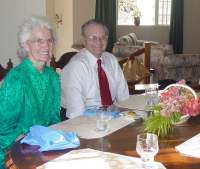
[72, 94]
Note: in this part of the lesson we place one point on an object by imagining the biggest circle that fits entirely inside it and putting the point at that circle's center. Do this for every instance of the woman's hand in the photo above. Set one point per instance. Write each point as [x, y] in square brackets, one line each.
[20, 137]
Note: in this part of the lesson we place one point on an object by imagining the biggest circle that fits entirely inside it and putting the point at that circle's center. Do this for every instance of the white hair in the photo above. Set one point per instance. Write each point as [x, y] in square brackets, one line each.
[25, 30]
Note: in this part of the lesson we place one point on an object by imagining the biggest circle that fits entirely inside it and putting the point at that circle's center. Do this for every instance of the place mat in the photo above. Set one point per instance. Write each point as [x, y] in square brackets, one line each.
[134, 102]
[91, 159]
[85, 126]
[190, 147]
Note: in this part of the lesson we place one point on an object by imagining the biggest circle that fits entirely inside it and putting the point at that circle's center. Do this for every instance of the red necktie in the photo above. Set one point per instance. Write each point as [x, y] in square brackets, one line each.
[106, 99]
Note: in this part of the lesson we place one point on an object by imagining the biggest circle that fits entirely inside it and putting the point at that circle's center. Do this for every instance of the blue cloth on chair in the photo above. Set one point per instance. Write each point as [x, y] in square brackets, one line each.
[50, 139]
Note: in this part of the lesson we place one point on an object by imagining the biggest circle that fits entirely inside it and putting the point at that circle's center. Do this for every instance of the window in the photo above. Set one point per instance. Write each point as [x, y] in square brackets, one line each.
[151, 12]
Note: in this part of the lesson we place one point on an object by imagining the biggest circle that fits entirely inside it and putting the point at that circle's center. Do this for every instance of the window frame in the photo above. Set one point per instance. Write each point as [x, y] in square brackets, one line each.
[156, 16]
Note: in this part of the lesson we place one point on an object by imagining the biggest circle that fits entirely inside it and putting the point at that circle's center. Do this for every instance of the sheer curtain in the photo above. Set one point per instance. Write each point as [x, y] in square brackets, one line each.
[106, 12]
[176, 25]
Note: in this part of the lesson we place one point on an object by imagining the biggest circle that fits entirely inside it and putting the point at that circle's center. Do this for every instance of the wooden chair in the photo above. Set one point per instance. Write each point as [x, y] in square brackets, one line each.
[4, 71]
[146, 51]
[64, 59]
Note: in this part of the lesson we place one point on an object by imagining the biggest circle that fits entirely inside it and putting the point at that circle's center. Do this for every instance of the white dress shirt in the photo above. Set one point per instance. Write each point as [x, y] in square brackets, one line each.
[80, 84]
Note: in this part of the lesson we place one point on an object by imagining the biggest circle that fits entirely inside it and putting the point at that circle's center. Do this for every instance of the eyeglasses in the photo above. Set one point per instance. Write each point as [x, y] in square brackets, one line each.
[95, 38]
[42, 41]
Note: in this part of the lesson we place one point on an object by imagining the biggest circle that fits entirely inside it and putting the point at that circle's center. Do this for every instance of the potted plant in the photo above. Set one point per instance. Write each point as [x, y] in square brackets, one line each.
[130, 7]
[136, 13]
[177, 103]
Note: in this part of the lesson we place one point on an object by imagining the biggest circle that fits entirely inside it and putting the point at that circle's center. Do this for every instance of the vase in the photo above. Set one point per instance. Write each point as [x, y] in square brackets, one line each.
[162, 125]
[137, 21]
[182, 120]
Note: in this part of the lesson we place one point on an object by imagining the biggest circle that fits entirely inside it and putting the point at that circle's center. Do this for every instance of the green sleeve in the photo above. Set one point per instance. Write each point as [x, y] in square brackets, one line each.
[11, 99]
[56, 101]
[1, 159]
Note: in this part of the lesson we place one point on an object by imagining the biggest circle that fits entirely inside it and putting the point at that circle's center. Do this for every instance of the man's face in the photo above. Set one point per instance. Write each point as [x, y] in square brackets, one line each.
[95, 39]
[40, 45]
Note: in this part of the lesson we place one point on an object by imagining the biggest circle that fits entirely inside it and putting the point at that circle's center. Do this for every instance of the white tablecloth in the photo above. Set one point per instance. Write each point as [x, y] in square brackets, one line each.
[85, 126]
[135, 102]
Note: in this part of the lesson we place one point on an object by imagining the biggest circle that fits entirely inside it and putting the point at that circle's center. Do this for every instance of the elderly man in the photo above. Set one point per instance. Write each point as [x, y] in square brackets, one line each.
[93, 77]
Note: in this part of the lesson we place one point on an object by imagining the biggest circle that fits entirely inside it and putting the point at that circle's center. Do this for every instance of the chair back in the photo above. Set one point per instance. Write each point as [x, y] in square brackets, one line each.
[4, 71]
[64, 59]
[137, 69]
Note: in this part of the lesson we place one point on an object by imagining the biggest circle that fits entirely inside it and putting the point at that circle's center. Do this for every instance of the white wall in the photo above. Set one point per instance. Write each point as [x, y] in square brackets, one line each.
[74, 13]
[83, 11]
[64, 8]
[12, 13]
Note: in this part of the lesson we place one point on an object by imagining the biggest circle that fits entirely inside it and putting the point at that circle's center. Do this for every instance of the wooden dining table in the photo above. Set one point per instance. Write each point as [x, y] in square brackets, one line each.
[123, 141]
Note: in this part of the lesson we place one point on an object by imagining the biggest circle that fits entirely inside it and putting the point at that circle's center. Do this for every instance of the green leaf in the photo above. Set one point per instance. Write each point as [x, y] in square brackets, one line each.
[158, 124]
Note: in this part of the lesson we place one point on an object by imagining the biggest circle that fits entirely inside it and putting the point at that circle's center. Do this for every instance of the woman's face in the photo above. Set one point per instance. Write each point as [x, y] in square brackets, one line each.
[40, 46]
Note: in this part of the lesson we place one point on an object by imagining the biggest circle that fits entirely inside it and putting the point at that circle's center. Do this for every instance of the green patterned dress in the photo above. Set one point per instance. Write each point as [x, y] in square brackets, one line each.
[27, 97]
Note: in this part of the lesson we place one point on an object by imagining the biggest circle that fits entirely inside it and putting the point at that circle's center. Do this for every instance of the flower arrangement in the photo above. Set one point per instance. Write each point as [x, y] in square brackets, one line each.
[176, 101]
[130, 7]
[135, 12]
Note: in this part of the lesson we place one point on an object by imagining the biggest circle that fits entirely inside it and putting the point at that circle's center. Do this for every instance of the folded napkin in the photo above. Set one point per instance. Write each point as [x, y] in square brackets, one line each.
[50, 139]
[190, 147]
[92, 112]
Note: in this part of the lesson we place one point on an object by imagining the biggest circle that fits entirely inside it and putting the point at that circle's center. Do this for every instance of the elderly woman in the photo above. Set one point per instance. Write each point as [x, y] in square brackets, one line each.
[30, 93]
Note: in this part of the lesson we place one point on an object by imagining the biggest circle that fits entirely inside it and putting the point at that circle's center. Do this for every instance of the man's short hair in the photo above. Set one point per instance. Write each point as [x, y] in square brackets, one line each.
[95, 22]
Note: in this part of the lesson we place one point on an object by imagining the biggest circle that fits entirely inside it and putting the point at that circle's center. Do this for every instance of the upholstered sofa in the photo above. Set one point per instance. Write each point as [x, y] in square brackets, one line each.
[178, 66]
[166, 64]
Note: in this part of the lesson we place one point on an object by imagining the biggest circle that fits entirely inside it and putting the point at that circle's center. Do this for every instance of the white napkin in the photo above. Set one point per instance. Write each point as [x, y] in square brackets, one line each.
[77, 161]
[190, 147]
[85, 127]
[90, 159]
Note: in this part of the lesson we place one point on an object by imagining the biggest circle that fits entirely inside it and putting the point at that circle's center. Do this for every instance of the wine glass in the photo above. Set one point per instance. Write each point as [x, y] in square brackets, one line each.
[147, 147]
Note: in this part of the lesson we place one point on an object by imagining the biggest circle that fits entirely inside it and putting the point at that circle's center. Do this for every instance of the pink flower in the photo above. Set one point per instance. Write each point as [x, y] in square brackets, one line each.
[191, 107]
[182, 81]
[178, 99]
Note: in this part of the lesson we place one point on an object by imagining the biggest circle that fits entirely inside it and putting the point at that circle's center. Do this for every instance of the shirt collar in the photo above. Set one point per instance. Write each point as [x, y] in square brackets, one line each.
[32, 68]
[92, 59]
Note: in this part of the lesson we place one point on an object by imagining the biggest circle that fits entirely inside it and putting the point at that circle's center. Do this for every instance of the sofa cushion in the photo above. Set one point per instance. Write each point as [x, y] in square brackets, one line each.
[129, 39]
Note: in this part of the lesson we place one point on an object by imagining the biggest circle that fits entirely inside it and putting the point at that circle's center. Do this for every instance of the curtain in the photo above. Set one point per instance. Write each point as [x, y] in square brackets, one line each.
[106, 12]
[176, 25]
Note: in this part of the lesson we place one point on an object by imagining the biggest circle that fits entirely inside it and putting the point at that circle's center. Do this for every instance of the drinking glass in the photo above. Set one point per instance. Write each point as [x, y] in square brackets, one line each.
[151, 94]
[147, 147]
[103, 116]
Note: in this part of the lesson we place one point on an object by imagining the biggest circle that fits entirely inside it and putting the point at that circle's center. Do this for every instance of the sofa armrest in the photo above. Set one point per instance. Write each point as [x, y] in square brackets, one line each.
[140, 43]
[121, 50]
